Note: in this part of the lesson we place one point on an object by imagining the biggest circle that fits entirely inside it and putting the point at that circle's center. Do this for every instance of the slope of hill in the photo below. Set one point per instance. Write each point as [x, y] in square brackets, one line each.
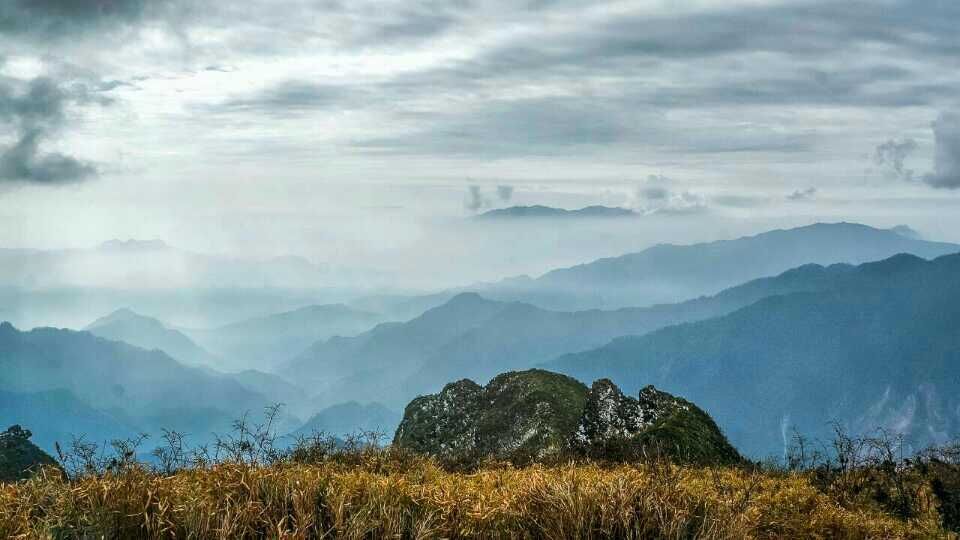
[19, 458]
[351, 418]
[263, 342]
[477, 338]
[395, 350]
[58, 416]
[877, 348]
[669, 273]
[144, 388]
[401, 307]
[149, 333]
[531, 415]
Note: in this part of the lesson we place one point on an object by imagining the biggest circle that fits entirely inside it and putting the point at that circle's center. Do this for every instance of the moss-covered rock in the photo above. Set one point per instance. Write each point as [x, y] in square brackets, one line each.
[533, 415]
[619, 427]
[20, 458]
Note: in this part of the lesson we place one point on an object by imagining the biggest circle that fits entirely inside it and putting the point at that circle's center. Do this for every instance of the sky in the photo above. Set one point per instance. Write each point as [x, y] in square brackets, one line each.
[368, 133]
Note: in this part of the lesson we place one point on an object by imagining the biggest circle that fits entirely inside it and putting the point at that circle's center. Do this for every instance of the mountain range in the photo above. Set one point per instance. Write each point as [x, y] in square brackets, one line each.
[119, 387]
[350, 419]
[70, 287]
[149, 333]
[774, 333]
[471, 336]
[875, 346]
[549, 212]
[263, 342]
[668, 273]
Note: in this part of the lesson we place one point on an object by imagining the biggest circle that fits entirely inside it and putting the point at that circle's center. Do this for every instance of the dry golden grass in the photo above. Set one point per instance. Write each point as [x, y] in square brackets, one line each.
[420, 500]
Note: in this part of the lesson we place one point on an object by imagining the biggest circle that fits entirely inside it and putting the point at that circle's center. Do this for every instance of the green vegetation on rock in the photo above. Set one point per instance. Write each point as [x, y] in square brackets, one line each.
[533, 415]
[20, 458]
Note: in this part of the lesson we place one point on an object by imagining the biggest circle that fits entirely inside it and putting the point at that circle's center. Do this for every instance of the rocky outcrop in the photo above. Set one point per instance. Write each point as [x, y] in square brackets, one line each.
[532, 415]
[20, 458]
[443, 424]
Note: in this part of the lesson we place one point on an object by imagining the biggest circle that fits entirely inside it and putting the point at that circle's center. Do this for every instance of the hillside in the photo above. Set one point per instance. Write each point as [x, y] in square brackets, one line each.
[669, 273]
[149, 333]
[476, 338]
[146, 389]
[533, 415]
[878, 347]
[345, 419]
[59, 416]
[19, 458]
[266, 341]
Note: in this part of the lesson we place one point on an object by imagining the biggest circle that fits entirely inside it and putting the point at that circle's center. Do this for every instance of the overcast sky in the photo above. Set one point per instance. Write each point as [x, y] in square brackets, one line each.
[354, 131]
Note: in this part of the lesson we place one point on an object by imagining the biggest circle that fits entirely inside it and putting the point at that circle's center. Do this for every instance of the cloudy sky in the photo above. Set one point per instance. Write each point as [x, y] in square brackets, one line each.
[361, 132]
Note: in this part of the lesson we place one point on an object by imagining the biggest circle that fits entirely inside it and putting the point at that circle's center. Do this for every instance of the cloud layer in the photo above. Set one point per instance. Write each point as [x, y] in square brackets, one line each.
[241, 116]
[946, 165]
[34, 112]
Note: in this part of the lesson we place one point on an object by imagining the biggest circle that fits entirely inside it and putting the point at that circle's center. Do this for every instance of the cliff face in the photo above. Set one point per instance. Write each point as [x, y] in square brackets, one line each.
[531, 415]
[20, 458]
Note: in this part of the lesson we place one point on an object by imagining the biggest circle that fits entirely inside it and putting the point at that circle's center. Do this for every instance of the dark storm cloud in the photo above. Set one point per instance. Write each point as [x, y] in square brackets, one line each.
[62, 19]
[892, 154]
[660, 194]
[809, 29]
[34, 112]
[946, 165]
[602, 83]
[796, 44]
[803, 194]
[475, 199]
[23, 162]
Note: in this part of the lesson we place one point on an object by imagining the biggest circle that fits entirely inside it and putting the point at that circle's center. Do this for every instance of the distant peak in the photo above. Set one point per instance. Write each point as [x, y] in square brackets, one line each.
[133, 245]
[540, 211]
[903, 262]
[122, 314]
[836, 225]
[466, 298]
[906, 231]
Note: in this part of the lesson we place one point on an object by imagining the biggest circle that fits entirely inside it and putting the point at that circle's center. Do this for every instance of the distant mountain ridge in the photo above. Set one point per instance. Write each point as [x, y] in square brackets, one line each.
[471, 336]
[538, 211]
[876, 346]
[266, 341]
[149, 333]
[148, 390]
[59, 416]
[668, 273]
[351, 418]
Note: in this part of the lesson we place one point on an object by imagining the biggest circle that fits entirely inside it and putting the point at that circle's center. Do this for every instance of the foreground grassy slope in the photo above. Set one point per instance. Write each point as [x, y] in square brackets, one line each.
[413, 498]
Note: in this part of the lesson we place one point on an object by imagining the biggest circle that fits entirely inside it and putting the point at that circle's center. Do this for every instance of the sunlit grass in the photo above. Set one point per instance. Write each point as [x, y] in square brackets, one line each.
[415, 498]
